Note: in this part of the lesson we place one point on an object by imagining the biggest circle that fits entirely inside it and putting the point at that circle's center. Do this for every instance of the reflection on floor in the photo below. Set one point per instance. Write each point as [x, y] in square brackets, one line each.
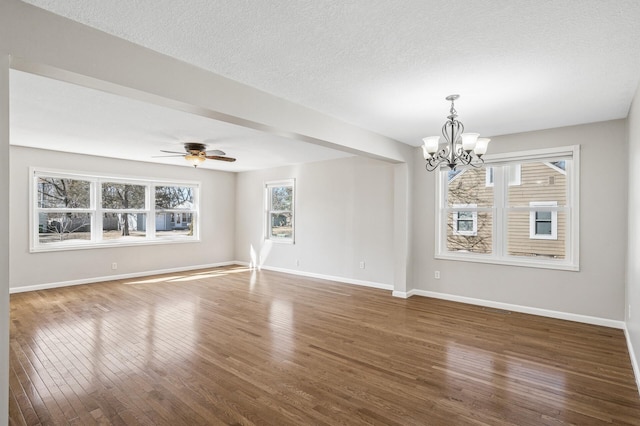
[236, 346]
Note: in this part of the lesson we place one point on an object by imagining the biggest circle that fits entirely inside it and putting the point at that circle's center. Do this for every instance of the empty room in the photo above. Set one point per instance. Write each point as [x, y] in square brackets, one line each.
[329, 212]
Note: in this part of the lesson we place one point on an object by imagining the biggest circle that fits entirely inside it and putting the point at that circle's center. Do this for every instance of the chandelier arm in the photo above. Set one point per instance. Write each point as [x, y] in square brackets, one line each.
[434, 163]
[476, 164]
[437, 159]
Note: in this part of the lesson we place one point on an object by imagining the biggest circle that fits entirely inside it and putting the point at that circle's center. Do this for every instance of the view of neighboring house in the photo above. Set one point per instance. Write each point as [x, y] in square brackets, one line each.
[536, 221]
[172, 221]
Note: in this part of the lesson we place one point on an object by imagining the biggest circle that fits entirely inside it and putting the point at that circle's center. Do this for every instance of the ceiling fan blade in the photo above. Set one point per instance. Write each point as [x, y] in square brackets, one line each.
[219, 158]
[215, 152]
[172, 152]
[164, 156]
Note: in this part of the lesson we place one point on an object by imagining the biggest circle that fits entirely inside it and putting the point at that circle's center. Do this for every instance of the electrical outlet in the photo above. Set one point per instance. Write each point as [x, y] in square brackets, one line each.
[436, 275]
[362, 264]
[297, 262]
[114, 266]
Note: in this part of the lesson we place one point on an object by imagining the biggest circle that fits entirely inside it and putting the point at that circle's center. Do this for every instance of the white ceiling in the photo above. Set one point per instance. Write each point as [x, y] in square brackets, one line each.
[519, 65]
[52, 114]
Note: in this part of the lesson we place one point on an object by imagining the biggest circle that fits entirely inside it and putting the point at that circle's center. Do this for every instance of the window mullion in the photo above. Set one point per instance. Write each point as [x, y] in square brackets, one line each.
[500, 200]
[96, 207]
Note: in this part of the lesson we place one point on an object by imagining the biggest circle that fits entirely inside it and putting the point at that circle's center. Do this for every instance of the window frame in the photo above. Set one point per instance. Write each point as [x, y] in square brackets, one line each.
[499, 210]
[97, 211]
[268, 211]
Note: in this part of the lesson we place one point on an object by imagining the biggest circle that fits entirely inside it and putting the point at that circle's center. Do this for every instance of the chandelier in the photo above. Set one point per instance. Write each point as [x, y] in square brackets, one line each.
[464, 149]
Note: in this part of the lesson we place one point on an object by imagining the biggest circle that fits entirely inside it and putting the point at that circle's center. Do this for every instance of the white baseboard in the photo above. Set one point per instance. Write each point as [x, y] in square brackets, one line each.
[634, 360]
[46, 286]
[605, 322]
[115, 277]
[326, 277]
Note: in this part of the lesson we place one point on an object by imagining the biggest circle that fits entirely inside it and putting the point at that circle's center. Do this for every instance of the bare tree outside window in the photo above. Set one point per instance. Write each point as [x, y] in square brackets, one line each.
[279, 206]
[123, 197]
[468, 188]
[62, 201]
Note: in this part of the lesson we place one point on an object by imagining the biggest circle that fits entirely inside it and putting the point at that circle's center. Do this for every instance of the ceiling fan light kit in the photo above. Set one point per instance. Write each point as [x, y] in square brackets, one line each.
[195, 160]
[459, 148]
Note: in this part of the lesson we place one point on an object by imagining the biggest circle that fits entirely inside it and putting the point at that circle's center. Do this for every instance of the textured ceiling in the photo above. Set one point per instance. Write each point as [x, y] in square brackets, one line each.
[386, 66]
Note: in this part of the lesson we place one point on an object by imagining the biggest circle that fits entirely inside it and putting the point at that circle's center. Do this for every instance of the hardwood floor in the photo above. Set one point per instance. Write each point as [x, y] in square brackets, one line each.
[231, 346]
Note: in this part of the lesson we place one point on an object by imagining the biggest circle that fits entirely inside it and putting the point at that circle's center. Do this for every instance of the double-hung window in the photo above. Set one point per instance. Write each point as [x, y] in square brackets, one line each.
[124, 211]
[77, 210]
[175, 211]
[279, 210]
[64, 209]
[519, 209]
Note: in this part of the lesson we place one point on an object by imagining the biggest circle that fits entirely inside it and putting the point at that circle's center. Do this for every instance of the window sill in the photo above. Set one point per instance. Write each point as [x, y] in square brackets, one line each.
[282, 241]
[522, 262]
[91, 245]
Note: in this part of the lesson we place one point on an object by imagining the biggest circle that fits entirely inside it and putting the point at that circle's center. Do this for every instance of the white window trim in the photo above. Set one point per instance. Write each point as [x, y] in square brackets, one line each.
[267, 210]
[488, 176]
[572, 255]
[96, 210]
[554, 220]
[515, 175]
[474, 213]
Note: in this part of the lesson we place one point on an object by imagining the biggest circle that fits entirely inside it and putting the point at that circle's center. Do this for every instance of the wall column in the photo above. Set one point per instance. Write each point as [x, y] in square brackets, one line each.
[401, 235]
[4, 239]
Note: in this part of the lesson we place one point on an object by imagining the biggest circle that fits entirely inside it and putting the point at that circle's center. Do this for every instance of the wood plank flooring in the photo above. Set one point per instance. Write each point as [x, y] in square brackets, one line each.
[232, 346]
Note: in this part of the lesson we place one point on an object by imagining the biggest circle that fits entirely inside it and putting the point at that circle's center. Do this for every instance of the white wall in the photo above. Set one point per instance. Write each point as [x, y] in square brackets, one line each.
[344, 215]
[217, 230]
[4, 239]
[597, 290]
[633, 248]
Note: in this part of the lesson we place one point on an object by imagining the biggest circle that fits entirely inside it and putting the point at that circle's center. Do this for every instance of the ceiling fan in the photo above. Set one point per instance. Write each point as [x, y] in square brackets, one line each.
[196, 153]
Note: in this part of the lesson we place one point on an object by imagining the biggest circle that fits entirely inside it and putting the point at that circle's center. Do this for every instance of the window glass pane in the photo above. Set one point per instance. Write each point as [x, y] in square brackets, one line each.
[543, 216]
[63, 193]
[174, 224]
[174, 197]
[465, 225]
[281, 197]
[118, 226]
[468, 186]
[123, 196]
[61, 227]
[281, 225]
[480, 243]
[520, 242]
[543, 228]
[539, 181]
